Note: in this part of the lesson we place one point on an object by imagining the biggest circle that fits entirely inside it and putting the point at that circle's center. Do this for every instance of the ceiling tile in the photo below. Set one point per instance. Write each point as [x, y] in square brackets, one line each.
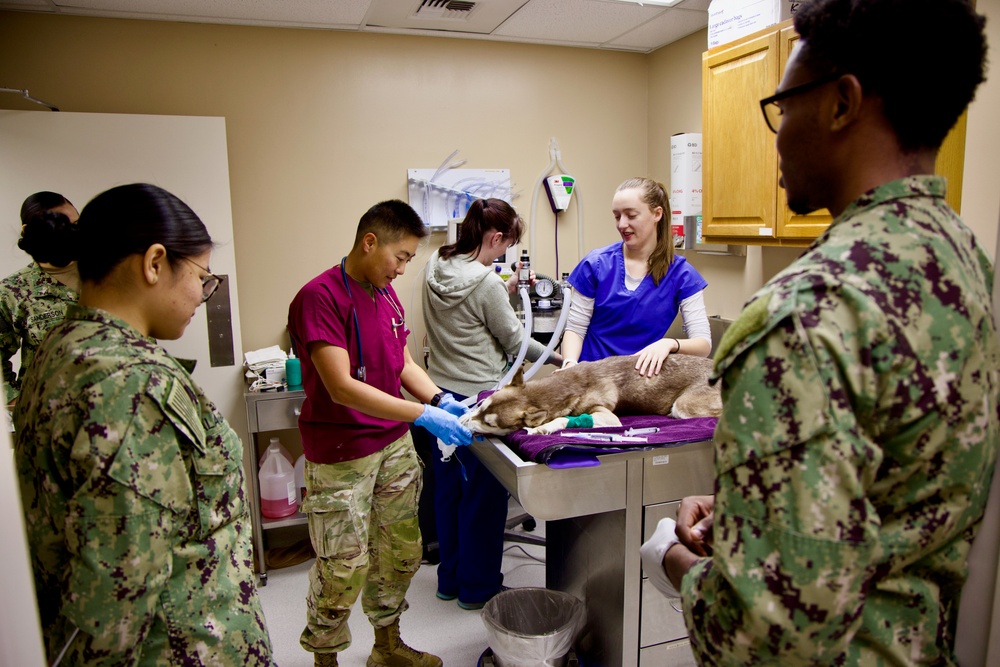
[701, 5]
[483, 18]
[575, 21]
[664, 29]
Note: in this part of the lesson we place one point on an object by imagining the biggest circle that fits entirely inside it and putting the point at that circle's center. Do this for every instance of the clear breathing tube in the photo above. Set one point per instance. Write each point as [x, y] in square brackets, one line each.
[525, 340]
[446, 449]
[556, 334]
[526, 309]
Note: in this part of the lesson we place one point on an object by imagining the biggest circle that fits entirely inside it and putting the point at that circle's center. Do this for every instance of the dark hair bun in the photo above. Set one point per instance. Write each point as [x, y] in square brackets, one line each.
[50, 238]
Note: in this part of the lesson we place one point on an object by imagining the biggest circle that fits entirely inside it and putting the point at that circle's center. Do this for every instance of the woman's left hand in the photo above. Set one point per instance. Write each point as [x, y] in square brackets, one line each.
[650, 359]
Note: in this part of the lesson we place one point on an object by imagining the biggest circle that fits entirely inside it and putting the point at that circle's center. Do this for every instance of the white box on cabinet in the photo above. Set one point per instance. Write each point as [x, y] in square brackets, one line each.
[729, 20]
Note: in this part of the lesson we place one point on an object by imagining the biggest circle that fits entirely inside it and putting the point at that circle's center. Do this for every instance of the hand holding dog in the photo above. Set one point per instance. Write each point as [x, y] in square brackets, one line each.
[444, 426]
[695, 518]
[651, 357]
[449, 404]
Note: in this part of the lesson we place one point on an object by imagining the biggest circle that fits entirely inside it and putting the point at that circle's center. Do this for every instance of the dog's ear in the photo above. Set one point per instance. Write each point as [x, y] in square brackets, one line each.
[535, 417]
[518, 378]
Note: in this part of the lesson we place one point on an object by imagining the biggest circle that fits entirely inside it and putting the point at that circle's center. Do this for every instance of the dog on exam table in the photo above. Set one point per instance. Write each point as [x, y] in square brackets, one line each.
[599, 388]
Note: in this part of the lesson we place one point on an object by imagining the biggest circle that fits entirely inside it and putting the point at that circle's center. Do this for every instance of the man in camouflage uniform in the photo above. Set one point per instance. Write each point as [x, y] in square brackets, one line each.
[132, 487]
[362, 474]
[859, 434]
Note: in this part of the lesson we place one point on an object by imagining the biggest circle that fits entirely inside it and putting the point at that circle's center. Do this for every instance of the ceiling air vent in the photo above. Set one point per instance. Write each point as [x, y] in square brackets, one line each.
[445, 9]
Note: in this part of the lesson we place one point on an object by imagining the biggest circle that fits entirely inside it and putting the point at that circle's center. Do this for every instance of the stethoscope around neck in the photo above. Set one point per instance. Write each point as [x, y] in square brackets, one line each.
[398, 321]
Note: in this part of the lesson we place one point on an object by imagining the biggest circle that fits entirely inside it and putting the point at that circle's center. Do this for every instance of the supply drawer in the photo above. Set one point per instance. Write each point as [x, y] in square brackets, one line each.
[661, 619]
[672, 473]
[278, 415]
[653, 514]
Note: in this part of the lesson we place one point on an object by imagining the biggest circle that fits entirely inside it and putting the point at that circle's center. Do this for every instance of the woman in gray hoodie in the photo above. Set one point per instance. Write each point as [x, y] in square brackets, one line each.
[471, 328]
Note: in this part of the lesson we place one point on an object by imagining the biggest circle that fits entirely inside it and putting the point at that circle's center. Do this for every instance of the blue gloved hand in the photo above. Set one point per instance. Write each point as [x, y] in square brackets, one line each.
[449, 403]
[444, 426]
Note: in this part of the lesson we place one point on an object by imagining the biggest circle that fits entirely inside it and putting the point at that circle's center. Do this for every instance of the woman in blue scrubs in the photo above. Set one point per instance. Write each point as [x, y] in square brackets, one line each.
[626, 295]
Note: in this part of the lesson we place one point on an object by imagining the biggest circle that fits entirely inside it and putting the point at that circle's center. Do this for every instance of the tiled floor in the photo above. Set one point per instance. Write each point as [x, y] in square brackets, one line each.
[457, 636]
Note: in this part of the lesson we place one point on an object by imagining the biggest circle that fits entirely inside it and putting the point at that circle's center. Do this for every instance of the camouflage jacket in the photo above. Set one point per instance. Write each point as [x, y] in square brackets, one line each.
[31, 303]
[133, 496]
[856, 446]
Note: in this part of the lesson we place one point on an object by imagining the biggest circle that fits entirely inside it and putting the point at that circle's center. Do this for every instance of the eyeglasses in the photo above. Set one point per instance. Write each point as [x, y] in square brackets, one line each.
[209, 284]
[773, 112]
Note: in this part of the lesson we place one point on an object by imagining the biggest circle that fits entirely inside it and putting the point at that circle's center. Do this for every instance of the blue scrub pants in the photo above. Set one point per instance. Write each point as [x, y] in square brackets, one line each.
[471, 511]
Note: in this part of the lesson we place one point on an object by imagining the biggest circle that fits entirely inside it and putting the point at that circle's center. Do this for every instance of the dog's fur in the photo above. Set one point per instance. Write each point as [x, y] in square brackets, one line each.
[599, 388]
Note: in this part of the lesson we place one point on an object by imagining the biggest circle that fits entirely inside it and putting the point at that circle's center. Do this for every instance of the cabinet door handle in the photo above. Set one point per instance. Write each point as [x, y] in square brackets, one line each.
[297, 410]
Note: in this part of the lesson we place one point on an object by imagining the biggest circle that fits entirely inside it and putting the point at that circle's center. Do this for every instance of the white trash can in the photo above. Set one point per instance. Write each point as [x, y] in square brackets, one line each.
[533, 627]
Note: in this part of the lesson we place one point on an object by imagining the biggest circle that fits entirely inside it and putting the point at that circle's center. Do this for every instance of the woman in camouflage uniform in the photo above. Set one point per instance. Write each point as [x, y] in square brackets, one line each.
[35, 298]
[130, 477]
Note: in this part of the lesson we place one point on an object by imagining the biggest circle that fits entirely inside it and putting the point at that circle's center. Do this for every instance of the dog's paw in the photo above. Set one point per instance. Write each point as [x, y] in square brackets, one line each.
[549, 428]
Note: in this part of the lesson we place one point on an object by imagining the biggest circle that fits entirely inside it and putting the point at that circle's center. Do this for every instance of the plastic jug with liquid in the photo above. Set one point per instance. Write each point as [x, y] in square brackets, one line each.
[277, 485]
[275, 442]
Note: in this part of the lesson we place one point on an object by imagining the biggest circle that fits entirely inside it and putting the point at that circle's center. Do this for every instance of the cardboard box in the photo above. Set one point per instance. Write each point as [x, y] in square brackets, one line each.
[728, 20]
[685, 180]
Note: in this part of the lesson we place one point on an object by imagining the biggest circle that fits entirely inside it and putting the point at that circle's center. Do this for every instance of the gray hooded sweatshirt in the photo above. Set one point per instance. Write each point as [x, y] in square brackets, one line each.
[471, 326]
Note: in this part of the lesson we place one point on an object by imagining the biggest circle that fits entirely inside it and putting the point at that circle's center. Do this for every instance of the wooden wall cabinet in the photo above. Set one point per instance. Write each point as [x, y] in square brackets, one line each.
[742, 201]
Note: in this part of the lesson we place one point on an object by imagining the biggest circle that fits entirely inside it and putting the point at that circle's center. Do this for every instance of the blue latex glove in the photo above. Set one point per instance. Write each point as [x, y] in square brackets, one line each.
[449, 403]
[444, 426]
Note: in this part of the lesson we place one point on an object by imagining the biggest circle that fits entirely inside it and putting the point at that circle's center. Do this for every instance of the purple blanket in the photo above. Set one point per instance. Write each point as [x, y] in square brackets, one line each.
[557, 450]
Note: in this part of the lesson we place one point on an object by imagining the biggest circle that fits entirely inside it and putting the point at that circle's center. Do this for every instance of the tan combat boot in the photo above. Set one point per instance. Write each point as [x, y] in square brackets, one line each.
[390, 651]
[324, 660]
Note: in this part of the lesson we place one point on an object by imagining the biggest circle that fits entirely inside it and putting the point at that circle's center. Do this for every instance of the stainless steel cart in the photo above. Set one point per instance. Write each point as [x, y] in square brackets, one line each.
[597, 519]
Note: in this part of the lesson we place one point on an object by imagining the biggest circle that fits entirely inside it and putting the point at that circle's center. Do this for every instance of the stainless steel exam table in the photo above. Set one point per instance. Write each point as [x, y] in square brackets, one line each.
[597, 518]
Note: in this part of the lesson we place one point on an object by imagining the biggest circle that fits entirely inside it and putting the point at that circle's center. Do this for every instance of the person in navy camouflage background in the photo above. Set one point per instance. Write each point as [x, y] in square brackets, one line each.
[860, 385]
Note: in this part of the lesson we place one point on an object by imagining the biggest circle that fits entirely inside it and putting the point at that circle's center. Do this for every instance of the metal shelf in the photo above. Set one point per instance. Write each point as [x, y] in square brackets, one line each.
[267, 411]
[297, 519]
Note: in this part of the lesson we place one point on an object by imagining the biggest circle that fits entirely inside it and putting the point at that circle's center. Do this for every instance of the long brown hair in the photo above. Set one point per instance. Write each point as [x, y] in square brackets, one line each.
[484, 215]
[653, 195]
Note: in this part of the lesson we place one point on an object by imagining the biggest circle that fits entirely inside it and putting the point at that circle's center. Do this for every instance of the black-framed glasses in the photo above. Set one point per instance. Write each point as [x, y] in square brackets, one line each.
[772, 111]
[209, 284]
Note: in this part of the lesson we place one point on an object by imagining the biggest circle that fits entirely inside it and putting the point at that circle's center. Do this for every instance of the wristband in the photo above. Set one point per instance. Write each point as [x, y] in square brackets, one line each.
[437, 398]
[678, 344]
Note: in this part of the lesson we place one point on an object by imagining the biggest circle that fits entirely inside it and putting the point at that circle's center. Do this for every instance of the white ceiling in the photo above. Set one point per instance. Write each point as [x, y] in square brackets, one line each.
[600, 24]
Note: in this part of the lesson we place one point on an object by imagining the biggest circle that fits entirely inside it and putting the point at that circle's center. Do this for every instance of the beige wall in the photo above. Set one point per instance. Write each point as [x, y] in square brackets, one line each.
[322, 124]
[981, 194]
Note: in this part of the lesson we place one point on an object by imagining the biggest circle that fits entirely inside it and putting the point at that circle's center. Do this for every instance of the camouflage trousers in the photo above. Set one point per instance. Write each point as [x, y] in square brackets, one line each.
[363, 525]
